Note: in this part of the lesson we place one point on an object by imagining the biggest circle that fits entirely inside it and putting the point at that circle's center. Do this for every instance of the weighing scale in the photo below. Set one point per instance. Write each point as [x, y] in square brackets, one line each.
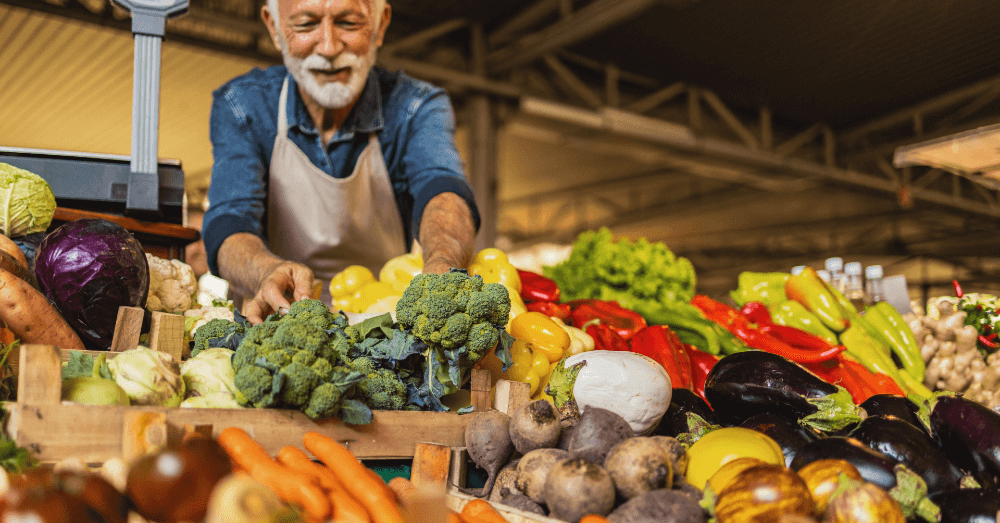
[139, 186]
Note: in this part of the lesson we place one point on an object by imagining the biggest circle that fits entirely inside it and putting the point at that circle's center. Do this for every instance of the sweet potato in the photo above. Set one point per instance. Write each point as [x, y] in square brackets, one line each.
[8, 246]
[31, 317]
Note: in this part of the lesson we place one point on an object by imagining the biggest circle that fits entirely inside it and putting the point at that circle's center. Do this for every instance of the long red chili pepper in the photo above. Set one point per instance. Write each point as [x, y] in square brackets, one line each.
[958, 288]
[605, 338]
[757, 313]
[623, 321]
[701, 364]
[663, 346]
[743, 329]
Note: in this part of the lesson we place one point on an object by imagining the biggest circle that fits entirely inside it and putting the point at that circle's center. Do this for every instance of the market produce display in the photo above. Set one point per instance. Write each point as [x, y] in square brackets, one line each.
[648, 401]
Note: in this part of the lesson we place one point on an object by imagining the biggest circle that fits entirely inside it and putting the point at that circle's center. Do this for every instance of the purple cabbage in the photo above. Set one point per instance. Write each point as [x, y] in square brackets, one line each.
[88, 268]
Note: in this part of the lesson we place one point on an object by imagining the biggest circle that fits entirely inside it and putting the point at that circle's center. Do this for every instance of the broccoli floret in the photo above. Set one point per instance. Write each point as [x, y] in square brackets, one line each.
[300, 380]
[353, 334]
[324, 401]
[250, 348]
[364, 365]
[381, 390]
[482, 337]
[215, 328]
[300, 334]
[304, 357]
[440, 309]
[323, 369]
[314, 311]
[253, 384]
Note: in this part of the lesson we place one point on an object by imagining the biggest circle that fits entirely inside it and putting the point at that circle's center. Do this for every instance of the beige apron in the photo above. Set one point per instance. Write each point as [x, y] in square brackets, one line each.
[328, 223]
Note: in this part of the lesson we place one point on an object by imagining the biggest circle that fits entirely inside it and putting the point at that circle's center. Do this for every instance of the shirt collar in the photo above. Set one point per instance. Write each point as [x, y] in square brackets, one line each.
[366, 116]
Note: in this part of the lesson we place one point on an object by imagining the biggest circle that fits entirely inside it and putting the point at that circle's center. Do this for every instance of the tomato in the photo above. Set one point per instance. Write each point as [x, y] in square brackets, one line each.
[721, 446]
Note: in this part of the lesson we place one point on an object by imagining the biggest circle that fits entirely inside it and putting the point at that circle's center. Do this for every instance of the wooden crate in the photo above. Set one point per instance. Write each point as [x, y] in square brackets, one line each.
[53, 430]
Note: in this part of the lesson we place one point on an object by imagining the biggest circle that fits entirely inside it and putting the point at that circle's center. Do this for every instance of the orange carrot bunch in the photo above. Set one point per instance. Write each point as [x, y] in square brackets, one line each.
[340, 489]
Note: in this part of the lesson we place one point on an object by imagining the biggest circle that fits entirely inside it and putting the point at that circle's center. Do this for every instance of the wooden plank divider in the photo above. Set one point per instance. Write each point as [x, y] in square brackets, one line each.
[128, 328]
[481, 384]
[39, 376]
[166, 334]
[511, 395]
[431, 465]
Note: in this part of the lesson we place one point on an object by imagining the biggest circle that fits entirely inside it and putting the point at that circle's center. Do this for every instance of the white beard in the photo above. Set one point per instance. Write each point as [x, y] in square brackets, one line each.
[332, 95]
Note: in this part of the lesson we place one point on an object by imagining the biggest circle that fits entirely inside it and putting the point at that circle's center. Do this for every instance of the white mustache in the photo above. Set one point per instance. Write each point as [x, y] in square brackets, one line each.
[315, 61]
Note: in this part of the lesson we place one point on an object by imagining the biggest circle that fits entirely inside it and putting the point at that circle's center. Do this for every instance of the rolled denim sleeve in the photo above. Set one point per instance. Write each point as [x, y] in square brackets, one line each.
[238, 187]
[431, 159]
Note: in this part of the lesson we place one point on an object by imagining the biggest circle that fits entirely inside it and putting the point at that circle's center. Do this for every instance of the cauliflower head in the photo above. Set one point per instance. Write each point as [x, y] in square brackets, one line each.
[172, 285]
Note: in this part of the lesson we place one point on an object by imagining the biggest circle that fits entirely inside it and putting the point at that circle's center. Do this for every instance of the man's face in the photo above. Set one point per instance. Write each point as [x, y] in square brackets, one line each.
[329, 46]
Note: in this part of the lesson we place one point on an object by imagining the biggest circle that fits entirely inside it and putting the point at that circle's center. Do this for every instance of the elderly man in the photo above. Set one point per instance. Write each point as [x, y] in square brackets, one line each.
[328, 161]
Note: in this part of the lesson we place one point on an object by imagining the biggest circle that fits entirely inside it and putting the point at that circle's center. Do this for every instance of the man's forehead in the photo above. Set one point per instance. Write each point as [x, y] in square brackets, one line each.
[365, 6]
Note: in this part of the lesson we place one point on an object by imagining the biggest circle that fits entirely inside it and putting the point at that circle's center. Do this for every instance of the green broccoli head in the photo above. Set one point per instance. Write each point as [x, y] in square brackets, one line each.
[314, 311]
[253, 384]
[300, 380]
[324, 401]
[482, 337]
[381, 390]
[440, 309]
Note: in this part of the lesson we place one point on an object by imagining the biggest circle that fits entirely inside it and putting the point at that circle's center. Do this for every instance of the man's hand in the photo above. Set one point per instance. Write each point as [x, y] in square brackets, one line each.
[447, 233]
[285, 278]
[253, 270]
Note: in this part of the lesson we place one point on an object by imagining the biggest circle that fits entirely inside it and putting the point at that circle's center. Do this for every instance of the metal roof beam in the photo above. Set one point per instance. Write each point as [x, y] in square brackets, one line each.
[588, 21]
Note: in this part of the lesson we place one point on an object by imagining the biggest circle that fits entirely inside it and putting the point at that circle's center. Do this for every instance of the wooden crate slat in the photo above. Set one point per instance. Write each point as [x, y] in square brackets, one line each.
[455, 500]
[94, 433]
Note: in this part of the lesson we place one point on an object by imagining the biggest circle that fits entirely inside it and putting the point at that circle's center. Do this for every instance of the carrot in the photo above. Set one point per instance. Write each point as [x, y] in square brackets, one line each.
[28, 313]
[593, 518]
[402, 487]
[480, 510]
[365, 486]
[346, 509]
[290, 485]
[455, 518]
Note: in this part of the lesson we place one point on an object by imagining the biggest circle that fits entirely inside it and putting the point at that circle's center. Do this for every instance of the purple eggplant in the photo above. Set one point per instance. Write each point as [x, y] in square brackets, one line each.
[893, 405]
[745, 384]
[676, 421]
[912, 447]
[874, 466]
[969, 435]
[789, 435]
[970, 505]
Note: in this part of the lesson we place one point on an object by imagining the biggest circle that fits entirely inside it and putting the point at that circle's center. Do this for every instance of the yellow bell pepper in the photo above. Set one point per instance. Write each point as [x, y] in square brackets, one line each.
[493, 266]
[348, 281]
[579, 342]
[400, 270]
[371, 293]
[529, 366]
[542, 334]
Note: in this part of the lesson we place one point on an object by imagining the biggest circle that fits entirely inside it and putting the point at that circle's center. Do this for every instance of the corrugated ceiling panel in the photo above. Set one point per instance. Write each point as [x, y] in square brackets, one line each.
[67, 85]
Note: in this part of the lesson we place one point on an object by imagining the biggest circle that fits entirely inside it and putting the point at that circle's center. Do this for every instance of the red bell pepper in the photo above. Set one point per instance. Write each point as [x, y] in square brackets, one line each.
[747, 331]
[548, 308]
[797, 337]
[605, 338]
[624, 321]
[663, 346]
[855, 378]
[535, 287]
[701, 364]
[757, 312]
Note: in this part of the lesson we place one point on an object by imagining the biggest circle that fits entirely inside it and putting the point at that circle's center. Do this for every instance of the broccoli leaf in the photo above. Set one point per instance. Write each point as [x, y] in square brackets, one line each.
[80, 365]
[383, 323]
[398, 347]
[503, 350]
[468, 409]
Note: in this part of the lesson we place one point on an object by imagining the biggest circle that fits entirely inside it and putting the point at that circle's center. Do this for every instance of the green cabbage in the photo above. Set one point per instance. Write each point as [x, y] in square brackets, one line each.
[210, 372]
[26, 202]
[217, 400]
[149, 377]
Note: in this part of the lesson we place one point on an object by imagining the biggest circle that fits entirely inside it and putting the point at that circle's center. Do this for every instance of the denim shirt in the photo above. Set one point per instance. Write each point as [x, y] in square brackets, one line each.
[415, 126]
